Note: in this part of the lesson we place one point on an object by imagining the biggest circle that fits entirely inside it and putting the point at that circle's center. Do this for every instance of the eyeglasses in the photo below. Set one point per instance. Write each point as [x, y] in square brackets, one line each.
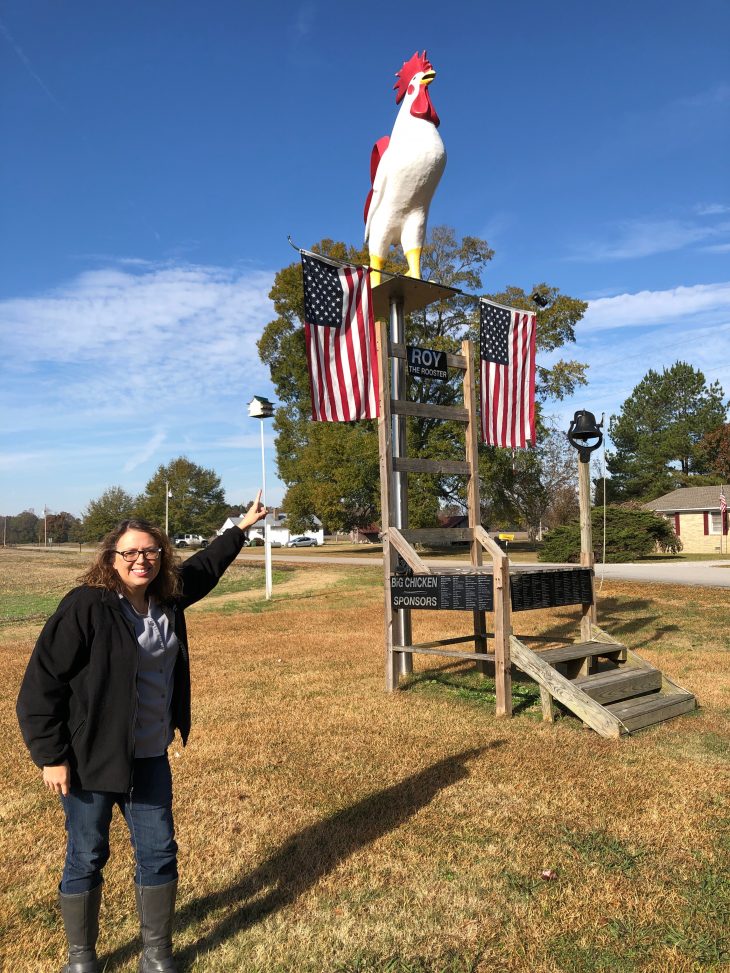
[148, 553]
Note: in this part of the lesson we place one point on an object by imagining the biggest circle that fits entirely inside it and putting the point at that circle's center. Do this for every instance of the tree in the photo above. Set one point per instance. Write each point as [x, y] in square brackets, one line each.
[658, 433]
[197, 504]
[331, 469]
[22, 528]
[630, 533]
[715, 448]
[59, 526]
[104, 513]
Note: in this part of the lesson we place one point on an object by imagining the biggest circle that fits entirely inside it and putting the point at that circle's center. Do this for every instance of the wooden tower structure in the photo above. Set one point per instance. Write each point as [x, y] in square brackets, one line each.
[600, 680]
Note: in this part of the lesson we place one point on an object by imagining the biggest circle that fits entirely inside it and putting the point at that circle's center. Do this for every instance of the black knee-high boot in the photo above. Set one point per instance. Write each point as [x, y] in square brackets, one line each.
[156, 908]
[80, 914]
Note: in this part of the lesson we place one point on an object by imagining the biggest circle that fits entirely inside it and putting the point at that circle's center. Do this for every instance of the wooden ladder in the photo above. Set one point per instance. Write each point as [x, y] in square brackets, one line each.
[398, 540]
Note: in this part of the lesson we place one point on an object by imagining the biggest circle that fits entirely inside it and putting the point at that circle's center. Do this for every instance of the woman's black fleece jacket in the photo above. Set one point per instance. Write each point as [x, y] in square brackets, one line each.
[78, 698]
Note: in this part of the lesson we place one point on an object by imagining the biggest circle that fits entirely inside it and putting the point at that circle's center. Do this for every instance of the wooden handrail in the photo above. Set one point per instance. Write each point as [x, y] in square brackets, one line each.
[405, 550]
[489, 545]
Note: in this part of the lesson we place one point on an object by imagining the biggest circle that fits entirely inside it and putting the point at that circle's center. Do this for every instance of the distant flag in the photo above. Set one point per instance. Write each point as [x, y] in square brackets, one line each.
[723, 508]
[340, 336]
[507, 353]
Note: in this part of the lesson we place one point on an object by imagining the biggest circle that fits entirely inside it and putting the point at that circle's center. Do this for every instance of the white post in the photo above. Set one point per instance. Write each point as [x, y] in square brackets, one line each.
[267, 540]
[167, 505]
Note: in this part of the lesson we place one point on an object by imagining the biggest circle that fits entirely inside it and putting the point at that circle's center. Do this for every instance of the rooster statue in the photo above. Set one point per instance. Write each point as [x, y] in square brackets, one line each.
[405, 170]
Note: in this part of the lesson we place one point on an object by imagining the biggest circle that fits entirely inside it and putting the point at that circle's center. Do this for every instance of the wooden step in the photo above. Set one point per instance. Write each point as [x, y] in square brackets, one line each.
[620, 684]
[648, 710]
[583, 650]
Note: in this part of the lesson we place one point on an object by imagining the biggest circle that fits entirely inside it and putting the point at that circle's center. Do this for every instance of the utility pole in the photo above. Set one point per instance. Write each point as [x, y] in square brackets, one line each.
[168, 495]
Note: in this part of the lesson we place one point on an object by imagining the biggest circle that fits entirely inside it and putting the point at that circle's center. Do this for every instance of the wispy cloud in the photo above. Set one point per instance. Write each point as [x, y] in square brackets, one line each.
[148, 450]
[711, 209]
[632, 239]
[10, 461]
[623, 336]
[124, 343]
[698, 303]
[125, 367]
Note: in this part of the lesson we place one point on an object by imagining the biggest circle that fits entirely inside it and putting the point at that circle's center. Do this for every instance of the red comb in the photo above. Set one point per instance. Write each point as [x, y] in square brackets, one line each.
[419, 62]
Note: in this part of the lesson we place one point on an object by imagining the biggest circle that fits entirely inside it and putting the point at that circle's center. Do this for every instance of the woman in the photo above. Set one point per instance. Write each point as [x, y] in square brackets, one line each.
[107, 685]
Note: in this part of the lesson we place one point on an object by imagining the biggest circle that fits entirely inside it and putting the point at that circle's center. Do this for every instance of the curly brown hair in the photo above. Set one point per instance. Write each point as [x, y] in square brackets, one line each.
[102, 574]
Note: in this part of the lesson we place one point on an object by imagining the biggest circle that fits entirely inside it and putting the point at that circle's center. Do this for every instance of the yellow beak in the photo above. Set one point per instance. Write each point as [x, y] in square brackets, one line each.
[428, 77]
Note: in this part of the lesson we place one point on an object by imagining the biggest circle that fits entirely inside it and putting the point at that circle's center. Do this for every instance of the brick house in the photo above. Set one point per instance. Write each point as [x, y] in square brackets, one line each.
[695, 513]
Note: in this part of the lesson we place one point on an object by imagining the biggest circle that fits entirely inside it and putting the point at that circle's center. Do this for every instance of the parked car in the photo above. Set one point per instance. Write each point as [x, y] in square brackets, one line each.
[302, 542]
[189, 540]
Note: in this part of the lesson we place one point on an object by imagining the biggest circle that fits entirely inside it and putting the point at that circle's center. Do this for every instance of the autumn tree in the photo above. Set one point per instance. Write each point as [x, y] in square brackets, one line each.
[197, 504]
[60, 526]
[331, 469]
[715, 448]
[104, 513]
[659, 431]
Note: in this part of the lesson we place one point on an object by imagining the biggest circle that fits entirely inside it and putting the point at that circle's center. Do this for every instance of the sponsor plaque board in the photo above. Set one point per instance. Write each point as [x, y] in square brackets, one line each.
[453, 592]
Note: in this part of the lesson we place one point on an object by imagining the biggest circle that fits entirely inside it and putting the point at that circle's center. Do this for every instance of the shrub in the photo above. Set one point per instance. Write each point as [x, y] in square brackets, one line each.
[630, 534]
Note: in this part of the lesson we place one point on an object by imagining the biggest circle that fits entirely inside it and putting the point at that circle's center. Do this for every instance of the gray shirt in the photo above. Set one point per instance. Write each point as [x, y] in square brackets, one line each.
[158, 648]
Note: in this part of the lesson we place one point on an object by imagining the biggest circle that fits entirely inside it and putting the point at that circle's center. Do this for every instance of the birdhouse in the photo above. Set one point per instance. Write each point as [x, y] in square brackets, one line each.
[260, 408]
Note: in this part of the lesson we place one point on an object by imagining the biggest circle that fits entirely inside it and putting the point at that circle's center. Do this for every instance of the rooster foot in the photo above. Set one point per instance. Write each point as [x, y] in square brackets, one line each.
[414, 262]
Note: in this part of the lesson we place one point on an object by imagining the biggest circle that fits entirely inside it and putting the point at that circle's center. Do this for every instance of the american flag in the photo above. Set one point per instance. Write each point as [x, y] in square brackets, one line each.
[340, 335]
[723, 508]
[507, 353]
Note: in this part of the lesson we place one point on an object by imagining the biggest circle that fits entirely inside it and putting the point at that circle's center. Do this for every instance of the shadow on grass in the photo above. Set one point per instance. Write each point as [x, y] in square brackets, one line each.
[638, 617]
[458, 678]
[307, 856]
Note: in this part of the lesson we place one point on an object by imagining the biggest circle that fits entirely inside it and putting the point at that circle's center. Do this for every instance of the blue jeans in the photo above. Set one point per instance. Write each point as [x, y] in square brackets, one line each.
[147, 810]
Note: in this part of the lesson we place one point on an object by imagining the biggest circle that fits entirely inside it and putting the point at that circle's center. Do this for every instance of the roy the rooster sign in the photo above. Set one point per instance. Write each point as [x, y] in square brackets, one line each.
[405, 169]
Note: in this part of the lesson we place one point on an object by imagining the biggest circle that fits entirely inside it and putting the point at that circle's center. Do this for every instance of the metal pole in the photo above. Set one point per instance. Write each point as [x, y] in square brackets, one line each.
[45, 525]
[167, 506]
[267, 541]
[402, 632]
[587, 559]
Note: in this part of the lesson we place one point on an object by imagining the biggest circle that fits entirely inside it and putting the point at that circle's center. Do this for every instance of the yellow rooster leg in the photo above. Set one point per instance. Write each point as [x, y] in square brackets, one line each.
[376, 265]
[414, 262]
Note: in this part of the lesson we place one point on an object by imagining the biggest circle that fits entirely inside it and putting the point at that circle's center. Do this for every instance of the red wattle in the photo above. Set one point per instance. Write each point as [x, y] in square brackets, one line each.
[422, 107]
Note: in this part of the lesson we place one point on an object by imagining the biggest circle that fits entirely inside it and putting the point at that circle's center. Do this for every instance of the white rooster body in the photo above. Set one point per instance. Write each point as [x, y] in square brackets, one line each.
[409, 167]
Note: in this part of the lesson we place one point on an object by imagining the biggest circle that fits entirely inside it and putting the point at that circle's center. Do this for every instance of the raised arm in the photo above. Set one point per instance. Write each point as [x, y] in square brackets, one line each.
[202, 572]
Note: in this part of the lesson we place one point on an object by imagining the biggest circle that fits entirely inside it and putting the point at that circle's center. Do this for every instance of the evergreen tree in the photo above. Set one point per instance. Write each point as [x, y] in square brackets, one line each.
[197, 505]
[659, 431]
[104, 513]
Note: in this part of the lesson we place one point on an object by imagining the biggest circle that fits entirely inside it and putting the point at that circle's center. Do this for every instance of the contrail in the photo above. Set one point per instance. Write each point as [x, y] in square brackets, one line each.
[28, 66]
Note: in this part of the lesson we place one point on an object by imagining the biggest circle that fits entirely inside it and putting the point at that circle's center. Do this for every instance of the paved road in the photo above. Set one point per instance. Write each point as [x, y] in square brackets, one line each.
[705, 574]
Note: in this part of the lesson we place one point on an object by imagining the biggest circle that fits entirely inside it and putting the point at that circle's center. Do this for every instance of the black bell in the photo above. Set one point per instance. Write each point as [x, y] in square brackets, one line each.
[583, 428]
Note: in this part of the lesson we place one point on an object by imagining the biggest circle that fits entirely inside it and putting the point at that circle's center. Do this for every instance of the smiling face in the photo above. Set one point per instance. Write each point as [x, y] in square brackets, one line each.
[136, 575]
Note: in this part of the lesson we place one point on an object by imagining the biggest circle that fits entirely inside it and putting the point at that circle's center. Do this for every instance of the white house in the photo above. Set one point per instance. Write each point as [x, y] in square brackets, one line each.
[279, 533]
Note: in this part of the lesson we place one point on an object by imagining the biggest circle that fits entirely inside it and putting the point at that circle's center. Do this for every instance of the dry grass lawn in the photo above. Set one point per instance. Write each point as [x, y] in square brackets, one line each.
[325, 825]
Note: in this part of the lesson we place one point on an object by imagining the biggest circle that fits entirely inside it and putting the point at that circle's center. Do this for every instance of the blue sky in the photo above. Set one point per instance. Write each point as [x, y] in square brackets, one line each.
[156, 155]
